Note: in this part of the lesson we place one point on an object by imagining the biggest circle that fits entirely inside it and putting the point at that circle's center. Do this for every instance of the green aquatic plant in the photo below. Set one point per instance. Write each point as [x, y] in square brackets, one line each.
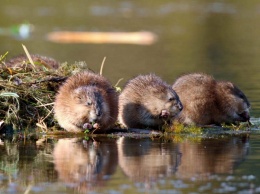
[238, 126]
[180, 128]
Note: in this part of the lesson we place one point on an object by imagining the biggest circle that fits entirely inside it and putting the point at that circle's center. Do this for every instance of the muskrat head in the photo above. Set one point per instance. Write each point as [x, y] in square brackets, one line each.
[172, 105]
[166, 105]
[89, 105]
[237, 105]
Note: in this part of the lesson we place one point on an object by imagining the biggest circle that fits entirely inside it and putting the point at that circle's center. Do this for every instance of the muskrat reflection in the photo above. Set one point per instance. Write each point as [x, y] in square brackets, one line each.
[85, 165]
[144, 160]
[211, 156]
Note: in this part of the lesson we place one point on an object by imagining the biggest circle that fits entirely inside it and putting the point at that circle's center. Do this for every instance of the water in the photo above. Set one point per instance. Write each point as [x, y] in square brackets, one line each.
[217, 37]
[219, 164]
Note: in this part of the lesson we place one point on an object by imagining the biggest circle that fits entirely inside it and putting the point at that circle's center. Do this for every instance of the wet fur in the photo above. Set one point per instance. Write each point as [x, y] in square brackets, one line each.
[86, 97]
[207, 101]
[142, 101]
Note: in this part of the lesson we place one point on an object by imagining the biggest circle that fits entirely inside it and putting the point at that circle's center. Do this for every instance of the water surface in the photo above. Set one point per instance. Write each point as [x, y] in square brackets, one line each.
[202, 164]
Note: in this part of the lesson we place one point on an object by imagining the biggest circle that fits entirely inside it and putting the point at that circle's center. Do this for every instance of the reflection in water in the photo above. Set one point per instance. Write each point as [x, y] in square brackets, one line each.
[211, 156]
[152, 165]
[84, 165]
[24, 164]
[144, 160]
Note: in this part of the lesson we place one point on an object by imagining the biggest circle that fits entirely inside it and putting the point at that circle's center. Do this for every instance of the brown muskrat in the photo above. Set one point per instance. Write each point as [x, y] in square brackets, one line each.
[40, 62]
[147, 102]
[207, 101]
[86, 100]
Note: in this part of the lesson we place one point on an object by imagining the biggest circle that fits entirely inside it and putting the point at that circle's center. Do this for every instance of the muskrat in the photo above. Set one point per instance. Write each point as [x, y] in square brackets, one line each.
[40, 62]
[86, 100]
[207, 101]
[147, 102]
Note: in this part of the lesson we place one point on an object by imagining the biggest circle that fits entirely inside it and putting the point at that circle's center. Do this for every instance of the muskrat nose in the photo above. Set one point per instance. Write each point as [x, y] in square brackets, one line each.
[180, 107]
[94, 120]
[98, 113]
[245, 116]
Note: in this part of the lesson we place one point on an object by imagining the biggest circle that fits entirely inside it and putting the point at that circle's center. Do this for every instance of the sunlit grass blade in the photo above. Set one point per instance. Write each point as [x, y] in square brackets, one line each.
[102, 65]
[9, 94]
[28, 55]
[3, 56]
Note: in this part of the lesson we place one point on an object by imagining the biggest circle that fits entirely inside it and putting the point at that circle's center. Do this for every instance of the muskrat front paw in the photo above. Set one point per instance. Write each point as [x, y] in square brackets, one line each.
[96, 126]
[87, 126]
[165, 113]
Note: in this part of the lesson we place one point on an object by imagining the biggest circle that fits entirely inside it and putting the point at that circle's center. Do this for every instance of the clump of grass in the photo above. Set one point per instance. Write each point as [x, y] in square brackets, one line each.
[27, 95]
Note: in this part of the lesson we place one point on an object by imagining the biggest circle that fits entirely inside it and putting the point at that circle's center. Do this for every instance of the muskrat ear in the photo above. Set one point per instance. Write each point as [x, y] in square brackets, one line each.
[229, 84]
[226, 85]
[77, 91]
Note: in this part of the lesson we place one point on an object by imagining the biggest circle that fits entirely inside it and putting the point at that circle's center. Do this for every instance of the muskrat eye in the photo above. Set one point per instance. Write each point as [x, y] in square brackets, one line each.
[89, 103]
[240, 95]
[171, 99]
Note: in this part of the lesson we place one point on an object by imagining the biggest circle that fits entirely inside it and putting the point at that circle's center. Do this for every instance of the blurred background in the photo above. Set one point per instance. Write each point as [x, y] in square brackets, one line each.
[216, 37]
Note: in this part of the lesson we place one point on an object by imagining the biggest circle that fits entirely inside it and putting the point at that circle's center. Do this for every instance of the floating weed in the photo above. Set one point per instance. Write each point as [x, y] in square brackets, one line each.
[238, 126]
[178, 132]
[180, 128]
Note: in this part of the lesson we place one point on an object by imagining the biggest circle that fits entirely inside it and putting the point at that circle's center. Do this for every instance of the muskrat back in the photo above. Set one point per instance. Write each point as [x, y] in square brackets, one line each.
[207, 101]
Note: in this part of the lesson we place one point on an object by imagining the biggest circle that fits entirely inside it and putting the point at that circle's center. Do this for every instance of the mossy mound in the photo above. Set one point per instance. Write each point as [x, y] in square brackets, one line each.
[27, 94]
